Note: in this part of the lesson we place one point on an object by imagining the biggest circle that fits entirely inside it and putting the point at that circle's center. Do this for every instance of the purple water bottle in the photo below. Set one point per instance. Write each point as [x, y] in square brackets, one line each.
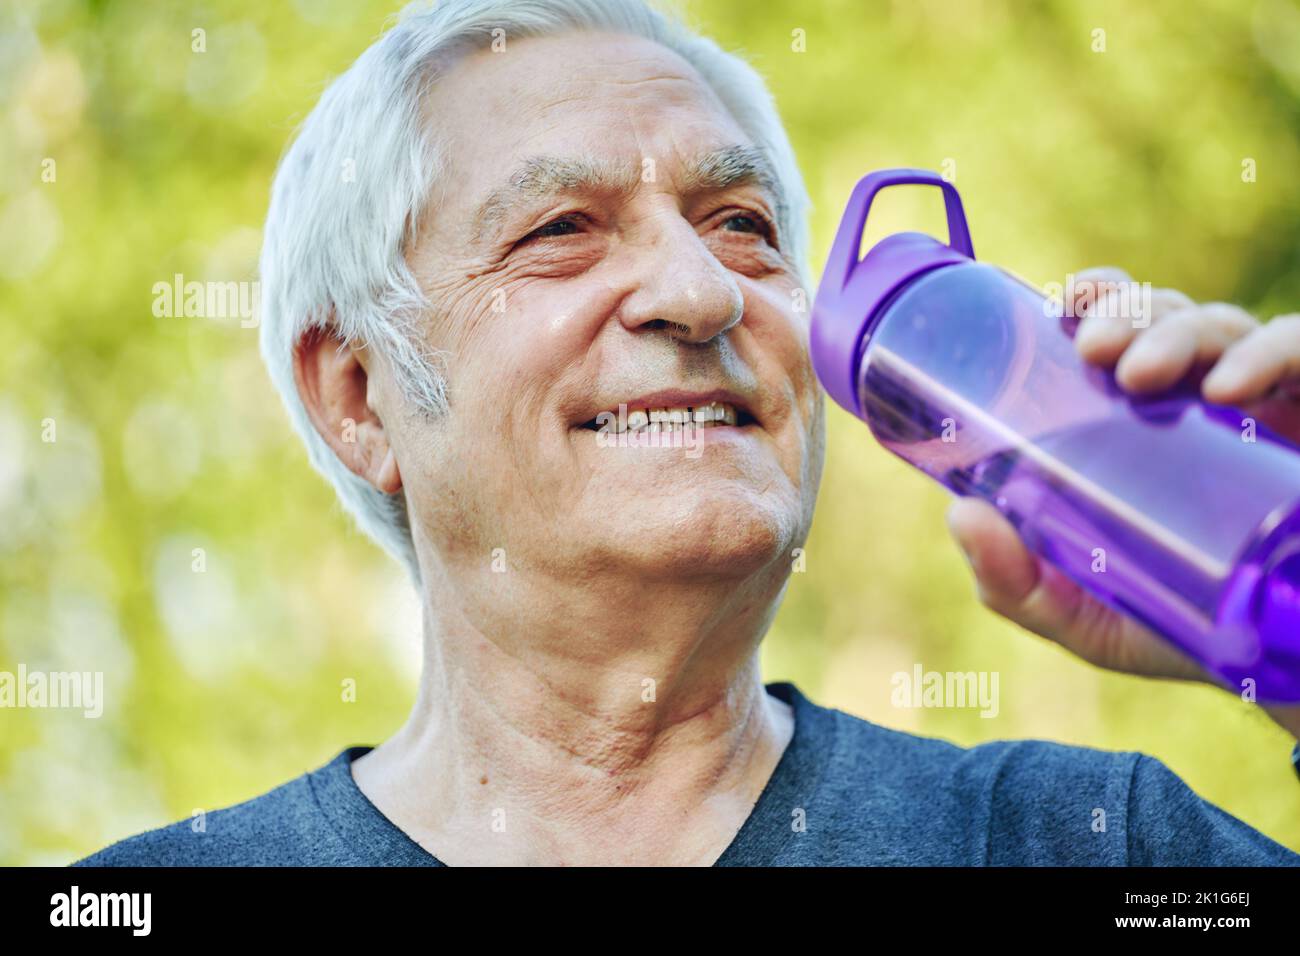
[1176, 512]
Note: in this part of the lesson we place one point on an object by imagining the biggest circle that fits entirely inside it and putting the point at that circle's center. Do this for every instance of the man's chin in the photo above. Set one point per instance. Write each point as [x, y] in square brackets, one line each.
[713, 536]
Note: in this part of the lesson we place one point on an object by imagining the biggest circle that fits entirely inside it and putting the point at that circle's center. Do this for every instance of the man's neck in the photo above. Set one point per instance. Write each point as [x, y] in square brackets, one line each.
[555, 750]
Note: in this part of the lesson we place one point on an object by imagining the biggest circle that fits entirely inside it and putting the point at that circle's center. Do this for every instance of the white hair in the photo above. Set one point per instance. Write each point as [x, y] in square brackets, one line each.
[349, 191]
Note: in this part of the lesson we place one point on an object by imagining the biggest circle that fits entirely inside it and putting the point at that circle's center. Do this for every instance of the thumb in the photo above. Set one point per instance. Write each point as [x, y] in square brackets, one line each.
[1024, 589]
[1012, 581]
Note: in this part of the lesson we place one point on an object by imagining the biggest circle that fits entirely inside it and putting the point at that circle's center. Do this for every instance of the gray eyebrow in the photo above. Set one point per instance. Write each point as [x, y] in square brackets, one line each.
[538, 176]
[546, 175]
[733, 166]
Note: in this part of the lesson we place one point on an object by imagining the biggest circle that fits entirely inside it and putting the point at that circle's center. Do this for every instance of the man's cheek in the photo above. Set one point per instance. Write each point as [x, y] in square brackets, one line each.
[473, 308]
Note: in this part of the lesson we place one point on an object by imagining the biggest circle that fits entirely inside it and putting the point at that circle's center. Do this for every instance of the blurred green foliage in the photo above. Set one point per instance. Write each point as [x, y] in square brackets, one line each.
[169, 437]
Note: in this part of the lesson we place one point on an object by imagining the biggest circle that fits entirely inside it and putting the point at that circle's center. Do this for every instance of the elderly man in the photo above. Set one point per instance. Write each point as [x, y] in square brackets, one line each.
[510, 235]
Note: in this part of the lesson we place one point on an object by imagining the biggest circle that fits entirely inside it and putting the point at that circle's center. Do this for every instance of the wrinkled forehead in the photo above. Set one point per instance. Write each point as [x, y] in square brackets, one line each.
[600, 107]
[533, 80]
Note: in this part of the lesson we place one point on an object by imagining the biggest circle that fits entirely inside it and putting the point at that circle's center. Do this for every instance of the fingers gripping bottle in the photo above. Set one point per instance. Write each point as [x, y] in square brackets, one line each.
[1181, 514]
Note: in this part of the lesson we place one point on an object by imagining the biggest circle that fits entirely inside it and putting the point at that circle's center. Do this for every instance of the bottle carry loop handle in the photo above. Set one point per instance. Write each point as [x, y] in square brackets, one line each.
[848, 240]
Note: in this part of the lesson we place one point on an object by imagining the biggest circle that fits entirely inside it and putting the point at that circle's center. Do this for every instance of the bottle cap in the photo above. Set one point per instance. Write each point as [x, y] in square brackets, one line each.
[854, 291]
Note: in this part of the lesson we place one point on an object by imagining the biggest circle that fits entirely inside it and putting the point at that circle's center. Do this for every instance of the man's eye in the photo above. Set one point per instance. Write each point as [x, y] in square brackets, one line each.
[559, 227]
[748, 222]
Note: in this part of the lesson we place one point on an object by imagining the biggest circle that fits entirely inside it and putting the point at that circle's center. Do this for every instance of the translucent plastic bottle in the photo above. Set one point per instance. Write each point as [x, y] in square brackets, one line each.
[1182, 514]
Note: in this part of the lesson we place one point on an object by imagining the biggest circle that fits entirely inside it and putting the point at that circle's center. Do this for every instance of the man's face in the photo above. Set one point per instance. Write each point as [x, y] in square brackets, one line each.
[604, 234]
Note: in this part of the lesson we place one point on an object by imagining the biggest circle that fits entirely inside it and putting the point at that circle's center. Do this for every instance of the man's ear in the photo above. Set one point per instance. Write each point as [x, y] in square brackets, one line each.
[334, 386]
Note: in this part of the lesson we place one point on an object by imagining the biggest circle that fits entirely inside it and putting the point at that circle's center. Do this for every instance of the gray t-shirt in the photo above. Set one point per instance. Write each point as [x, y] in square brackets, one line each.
[845, 792]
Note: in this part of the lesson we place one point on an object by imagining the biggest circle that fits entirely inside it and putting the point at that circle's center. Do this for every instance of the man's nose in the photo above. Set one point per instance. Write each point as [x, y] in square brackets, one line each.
[682, 287]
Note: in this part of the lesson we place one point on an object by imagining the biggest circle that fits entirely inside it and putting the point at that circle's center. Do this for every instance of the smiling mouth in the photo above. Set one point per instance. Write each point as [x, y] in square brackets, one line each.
[669, 419]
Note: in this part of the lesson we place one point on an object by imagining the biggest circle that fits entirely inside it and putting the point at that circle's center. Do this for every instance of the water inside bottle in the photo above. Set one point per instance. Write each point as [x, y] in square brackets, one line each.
[1123, 503]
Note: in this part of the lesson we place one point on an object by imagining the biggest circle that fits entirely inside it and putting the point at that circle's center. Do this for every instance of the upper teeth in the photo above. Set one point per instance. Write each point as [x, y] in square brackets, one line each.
[667, 419]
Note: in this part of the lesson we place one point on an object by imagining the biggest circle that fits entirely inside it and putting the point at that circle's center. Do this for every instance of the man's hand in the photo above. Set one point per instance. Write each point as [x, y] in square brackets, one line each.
[1254, 367]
